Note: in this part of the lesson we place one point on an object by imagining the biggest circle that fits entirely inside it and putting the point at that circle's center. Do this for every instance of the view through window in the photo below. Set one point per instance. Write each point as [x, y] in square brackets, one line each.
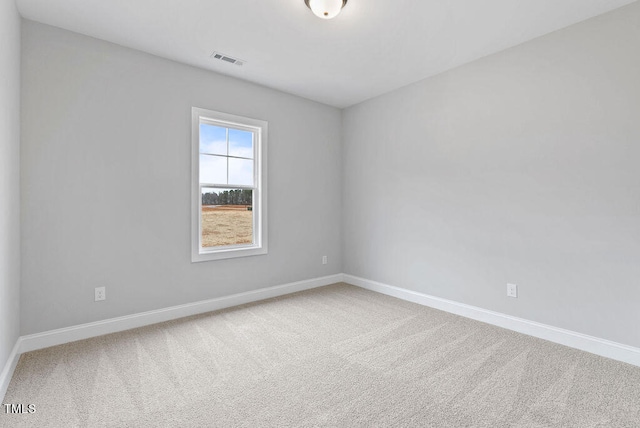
[226, 180]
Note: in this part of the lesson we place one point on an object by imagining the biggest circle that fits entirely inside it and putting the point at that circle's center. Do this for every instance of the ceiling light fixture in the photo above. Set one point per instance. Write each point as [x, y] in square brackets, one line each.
[325, 9]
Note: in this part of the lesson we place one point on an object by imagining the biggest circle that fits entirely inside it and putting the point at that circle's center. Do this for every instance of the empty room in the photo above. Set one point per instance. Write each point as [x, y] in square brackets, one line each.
[344, 213]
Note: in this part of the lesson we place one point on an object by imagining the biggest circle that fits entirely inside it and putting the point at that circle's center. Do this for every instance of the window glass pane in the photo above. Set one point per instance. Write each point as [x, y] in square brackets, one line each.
[226, 217]
[241, 143]
[213, 139]
[241, 172]
[213, 169]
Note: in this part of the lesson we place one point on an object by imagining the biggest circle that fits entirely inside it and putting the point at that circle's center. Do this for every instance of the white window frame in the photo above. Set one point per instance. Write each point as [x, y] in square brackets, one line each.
[259, 204]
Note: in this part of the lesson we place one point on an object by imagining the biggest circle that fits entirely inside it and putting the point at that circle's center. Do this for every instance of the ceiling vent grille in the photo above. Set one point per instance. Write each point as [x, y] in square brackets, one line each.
[226, 58]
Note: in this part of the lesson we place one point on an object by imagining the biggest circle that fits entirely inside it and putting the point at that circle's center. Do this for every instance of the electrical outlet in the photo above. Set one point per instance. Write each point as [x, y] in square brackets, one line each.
[101, 293]
[324, 260]
[512, 290]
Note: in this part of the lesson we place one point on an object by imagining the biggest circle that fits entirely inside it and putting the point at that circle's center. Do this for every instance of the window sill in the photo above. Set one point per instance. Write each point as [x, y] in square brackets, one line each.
[227, 253]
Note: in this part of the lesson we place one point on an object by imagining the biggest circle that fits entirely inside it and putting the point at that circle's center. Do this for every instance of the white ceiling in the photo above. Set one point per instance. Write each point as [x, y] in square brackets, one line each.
[372, 47]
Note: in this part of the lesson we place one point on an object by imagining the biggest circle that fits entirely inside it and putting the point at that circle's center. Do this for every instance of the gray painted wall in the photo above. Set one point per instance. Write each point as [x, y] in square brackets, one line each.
[9, 178]
[520, 167]
[106, 182]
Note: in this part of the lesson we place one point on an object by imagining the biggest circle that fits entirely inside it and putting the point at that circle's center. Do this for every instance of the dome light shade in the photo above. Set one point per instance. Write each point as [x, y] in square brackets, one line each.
[325, 9]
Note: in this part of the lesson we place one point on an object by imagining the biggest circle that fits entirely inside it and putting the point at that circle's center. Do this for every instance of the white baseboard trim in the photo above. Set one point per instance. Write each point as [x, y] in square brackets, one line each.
[594, 345]
[36, 341]
[8, 369]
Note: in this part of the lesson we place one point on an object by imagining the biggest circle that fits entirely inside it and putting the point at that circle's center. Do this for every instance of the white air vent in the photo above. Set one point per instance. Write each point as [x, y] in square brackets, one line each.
[226, 58]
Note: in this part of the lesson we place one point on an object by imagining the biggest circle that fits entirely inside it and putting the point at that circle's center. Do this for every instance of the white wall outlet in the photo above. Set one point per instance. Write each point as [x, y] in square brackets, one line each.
[512, 290]
[324, 260]
[101, 293]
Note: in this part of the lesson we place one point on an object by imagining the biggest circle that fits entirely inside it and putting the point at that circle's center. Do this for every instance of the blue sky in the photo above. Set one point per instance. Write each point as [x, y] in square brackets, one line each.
[214, 169]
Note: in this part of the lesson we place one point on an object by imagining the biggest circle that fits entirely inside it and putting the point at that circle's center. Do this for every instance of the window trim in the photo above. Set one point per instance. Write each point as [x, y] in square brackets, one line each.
[259, 205]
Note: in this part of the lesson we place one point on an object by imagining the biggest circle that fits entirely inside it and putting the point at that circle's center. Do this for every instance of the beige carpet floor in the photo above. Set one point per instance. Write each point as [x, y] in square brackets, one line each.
[334, 356]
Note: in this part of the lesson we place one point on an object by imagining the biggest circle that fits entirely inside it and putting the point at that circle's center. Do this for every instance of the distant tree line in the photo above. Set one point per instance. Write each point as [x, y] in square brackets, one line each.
[228, 197]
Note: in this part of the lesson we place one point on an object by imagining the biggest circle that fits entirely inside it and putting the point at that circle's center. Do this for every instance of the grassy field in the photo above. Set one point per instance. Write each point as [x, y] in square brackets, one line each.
[226, 225]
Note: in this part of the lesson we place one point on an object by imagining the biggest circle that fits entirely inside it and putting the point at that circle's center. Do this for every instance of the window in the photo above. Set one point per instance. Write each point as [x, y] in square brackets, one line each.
[228, 186]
